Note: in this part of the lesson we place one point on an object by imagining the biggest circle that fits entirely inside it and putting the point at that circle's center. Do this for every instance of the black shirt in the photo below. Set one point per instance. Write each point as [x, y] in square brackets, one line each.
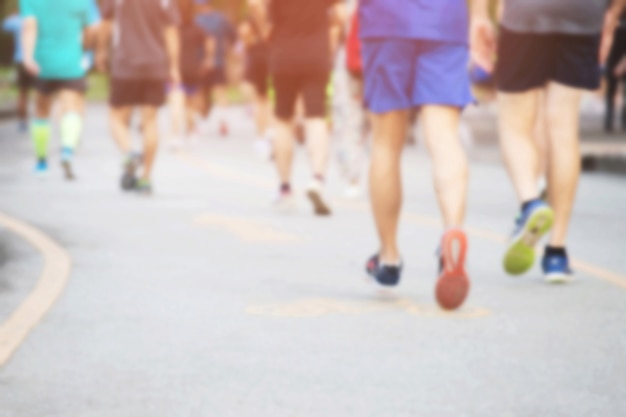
[300, 39]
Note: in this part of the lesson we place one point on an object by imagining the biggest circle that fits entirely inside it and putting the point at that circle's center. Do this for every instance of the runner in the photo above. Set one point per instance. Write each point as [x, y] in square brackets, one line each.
[144, 59]
[350, 125]
[253, 32]
[53, 38]
[300, 65]
[196, 60]
[549, 48]
[25, 80]
[419, 61]
[216, 25]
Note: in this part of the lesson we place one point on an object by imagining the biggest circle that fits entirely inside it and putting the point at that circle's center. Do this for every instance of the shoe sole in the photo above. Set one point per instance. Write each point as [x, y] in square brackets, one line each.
[319, 206]
[520, 255]
[557, 279]
[129, 179]
[67, 170]
[453, 285]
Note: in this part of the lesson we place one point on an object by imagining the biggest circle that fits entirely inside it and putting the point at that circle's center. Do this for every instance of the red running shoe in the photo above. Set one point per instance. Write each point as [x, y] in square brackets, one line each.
[453, 284]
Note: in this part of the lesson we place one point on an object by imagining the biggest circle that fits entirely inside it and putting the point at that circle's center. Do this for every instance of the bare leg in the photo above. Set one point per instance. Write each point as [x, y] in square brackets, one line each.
[283, 150]
[562, 106]
[518, 113]
[22, 105]
[541, 139]
[318, 142]
[176, 100]
[385, 179]
[120, 127]
[450, 166]
[150, 139]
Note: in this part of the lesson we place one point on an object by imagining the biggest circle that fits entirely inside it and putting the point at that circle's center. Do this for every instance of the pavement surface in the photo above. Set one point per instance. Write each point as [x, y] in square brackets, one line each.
[203, 301]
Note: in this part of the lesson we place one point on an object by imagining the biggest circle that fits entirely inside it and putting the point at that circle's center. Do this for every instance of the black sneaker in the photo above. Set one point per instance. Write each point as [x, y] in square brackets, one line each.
[129, 179]
[383, 275]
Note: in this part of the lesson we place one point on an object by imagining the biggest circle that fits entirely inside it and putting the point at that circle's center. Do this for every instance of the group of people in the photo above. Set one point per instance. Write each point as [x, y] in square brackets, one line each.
[397, 56]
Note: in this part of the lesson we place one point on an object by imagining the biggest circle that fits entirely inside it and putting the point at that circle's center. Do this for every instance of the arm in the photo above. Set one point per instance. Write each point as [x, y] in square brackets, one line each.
[104, 43]
[29, 42]
[611, 20]
[172, 45]
[482, 35]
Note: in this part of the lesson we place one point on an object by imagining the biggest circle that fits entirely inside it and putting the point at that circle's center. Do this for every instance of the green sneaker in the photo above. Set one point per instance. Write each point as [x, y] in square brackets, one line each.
[532, 225]
[143, 187]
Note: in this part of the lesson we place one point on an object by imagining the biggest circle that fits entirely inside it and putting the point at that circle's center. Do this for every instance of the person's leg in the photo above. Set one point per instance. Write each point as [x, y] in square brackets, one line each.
[219, 112]
[612, 83]
[41, 129]
[22, 104]
[385, 180]
[450, 166]
[562, 112]
[150, 140]
[71, 120]
[287, 90]
[176, 101]
[518, 115]
[541, 140]
[119, 118]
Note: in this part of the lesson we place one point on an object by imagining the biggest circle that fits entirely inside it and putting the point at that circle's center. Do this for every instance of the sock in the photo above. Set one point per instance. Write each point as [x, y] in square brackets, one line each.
[285, 188]
[40, 133]
[71, 126]
[555, 251]
[528, 203]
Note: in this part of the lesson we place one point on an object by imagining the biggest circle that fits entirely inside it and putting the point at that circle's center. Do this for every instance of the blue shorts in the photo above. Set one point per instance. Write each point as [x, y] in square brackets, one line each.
[406, 73]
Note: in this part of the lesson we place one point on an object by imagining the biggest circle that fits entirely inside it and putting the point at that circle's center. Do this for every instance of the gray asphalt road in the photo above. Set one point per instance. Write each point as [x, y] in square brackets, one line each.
[202, 301]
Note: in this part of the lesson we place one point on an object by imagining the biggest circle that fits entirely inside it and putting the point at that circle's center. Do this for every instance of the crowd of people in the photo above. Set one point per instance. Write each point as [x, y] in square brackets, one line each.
[379, 62]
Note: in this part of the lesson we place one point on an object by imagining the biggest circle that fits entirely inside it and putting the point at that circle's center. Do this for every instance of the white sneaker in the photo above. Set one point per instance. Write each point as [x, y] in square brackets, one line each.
[285, 202]
[314, 192]
[353, 192]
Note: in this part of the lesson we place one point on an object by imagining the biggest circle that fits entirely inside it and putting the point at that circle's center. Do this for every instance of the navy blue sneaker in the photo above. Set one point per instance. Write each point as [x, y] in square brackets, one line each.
[556, 268]
[532, 224]
[381, 274]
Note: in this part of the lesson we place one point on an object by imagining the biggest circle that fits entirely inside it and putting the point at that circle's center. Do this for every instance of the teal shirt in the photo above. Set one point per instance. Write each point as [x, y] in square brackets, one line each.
[60, 25]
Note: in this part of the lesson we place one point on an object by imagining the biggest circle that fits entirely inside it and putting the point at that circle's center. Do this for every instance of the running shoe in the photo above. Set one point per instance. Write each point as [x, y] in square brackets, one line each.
[129, 179]
[66, 164]
[285, 202]
[453, 284]
[41, 168]
[314, 192]
[143, 187]
[556, 269]
[532, 224]
[381, 274]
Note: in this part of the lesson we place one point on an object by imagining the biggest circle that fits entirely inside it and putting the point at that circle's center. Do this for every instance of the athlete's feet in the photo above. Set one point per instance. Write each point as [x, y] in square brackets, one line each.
[453, 284]
[555, 265]
[223, 129]
[315, 195]
[285, 202]
[129, 179]
[41, 168]
[66, 164]
[143, 187]
[533, 223]
[382, 274]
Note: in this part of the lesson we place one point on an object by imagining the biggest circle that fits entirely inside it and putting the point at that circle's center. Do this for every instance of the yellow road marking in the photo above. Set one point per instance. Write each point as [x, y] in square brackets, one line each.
[53, 279]
[318, 307]
[246, 229]
[588, 268]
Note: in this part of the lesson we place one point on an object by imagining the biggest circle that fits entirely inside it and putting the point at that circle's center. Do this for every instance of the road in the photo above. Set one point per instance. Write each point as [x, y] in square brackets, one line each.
[203, 301]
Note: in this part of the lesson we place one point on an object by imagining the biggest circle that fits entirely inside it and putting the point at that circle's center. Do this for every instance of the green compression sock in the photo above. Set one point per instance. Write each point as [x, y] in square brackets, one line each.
[40, 133]
[71, 126]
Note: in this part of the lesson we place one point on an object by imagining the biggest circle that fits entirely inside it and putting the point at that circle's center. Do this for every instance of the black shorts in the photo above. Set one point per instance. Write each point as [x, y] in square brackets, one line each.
[215, 77]
[530, 60]
[25, 80]
[138, 92]
[312, 87]
[49, 87]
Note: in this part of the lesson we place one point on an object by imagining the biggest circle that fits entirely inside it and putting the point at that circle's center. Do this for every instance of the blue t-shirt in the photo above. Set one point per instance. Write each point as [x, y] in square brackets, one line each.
[60, 25]
[437, 20]
[217, 25]
[13, 25]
